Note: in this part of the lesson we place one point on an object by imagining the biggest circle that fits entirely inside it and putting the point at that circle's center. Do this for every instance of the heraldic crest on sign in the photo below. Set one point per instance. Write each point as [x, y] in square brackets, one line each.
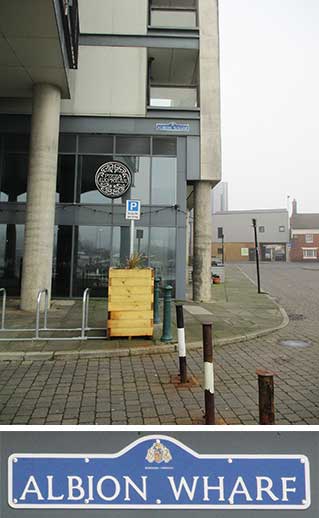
[158, 453]
[113, 179]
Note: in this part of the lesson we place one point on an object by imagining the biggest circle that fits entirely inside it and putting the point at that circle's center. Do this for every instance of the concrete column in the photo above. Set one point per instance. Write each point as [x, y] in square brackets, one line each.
[40, 211]
[202, 242]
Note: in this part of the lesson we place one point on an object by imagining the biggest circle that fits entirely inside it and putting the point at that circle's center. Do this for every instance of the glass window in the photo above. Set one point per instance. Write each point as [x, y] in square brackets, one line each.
[164, 146]
[62, 257]
[261, 229]
[133, 145]
[282, 228]
[140, 166]
[96, 144]
[174, 3]
[170, 97]
[309, 238]
[14, 178]
[91, 260]
[163, 254]
[65, 179]
[87, 191]
[67, 143]
[164, 176]
[141, 242]
[11, 253]
[170, 18]
[16, 143]
[310, 253]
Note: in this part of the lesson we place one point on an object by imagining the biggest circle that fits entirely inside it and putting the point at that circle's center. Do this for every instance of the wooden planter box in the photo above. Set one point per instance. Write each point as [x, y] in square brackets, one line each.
[130, 302]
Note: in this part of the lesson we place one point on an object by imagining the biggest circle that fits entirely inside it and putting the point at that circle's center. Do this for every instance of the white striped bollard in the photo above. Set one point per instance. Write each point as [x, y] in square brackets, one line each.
[208, 374]
[181, 343]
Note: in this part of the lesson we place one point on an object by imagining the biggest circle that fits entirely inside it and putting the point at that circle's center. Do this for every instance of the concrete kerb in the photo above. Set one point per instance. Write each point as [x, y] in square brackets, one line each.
[138, 351]
[152, 349]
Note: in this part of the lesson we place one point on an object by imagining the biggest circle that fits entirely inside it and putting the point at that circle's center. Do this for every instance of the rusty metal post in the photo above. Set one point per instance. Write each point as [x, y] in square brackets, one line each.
[208, 374]
[266, 397]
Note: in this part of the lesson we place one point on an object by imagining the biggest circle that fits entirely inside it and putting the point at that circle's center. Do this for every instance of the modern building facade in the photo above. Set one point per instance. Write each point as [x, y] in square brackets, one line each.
[304, 230]
[131, 83]
[220, 198]
[237, 228]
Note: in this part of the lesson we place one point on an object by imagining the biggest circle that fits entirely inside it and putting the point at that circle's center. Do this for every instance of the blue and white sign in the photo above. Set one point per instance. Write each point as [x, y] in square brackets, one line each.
[172, 126]
[158, 472]
[133, 209]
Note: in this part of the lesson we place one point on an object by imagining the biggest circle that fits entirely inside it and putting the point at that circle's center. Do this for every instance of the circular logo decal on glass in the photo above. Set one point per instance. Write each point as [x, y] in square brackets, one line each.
[113, 179]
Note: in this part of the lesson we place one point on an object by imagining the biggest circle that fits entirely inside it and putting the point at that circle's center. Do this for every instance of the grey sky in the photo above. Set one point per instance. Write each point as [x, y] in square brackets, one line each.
[270, 102]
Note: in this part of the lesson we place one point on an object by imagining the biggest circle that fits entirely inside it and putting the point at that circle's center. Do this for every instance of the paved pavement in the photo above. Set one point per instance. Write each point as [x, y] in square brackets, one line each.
[136, 389]
[237, 311]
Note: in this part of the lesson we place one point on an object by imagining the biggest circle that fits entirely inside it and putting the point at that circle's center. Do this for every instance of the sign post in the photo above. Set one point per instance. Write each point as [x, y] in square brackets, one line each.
[133, 213]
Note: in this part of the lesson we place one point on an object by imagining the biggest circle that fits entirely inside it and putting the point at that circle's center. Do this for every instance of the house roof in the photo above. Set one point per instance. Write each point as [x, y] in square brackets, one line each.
[304, 221]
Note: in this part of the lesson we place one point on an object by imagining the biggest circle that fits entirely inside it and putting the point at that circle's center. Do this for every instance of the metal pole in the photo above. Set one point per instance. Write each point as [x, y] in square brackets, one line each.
[156, 317]
[84, 303]
[266, 397]
[87, 309]
[167, 318]
[208, 374]
[223, 251]
[46, 308]
[181, 343]
[132, 237]
[257, 254]
[37, 317]
[4, 302]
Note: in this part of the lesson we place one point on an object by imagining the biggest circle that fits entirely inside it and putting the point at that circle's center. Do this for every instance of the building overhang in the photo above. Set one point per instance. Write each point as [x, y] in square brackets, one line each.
[34, 47]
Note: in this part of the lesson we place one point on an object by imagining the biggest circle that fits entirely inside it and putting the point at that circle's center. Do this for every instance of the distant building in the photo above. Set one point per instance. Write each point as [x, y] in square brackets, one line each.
[220, 198]
[236, 227]
[304, 236]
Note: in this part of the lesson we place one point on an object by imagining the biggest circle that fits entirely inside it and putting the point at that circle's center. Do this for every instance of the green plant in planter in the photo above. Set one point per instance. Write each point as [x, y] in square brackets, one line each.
[135, 261]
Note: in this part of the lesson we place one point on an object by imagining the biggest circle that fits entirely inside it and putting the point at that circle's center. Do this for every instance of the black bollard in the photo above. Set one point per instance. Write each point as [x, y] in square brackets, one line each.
[208, 374]
[181, 343]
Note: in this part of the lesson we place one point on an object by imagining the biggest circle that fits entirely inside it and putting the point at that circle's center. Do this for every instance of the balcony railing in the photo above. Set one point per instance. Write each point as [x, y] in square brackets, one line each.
[173, 97]
[173, 18]
[70, 20]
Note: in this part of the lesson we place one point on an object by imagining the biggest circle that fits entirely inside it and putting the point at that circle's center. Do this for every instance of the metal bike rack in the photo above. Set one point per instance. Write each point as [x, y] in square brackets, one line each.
[3, 310]
[83, 329]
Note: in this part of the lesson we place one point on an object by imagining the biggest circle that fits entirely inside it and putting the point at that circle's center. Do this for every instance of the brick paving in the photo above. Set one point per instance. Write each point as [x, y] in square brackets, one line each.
[137, 389]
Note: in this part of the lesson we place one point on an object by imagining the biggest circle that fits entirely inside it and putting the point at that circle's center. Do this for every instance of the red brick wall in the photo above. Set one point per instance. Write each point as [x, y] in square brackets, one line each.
[298, 243]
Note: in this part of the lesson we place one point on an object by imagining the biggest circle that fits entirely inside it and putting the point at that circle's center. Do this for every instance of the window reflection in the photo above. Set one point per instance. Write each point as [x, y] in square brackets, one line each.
[163, 254]
[164, 176]
[14, 178]
[87, 191]
[62, 257]
[11, 253]
[65, 181]
[92, 260]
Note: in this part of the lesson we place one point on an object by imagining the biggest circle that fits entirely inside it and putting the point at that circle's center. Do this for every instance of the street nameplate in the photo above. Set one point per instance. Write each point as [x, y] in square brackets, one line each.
[133, 209]
[173, 126]
[158, 472]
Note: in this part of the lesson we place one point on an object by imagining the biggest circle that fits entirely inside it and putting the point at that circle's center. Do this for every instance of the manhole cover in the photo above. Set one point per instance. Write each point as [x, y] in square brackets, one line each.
[296, 316]
[295, 343]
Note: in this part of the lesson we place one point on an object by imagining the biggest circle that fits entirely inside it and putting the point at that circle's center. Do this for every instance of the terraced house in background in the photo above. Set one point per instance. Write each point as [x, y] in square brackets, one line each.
[86, 83]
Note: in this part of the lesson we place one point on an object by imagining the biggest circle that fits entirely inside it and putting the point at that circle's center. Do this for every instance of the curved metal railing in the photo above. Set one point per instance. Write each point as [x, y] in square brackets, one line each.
[46, 307]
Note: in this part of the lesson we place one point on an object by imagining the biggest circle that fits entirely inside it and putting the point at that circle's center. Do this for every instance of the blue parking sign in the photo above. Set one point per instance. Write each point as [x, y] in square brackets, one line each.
[133, 209]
